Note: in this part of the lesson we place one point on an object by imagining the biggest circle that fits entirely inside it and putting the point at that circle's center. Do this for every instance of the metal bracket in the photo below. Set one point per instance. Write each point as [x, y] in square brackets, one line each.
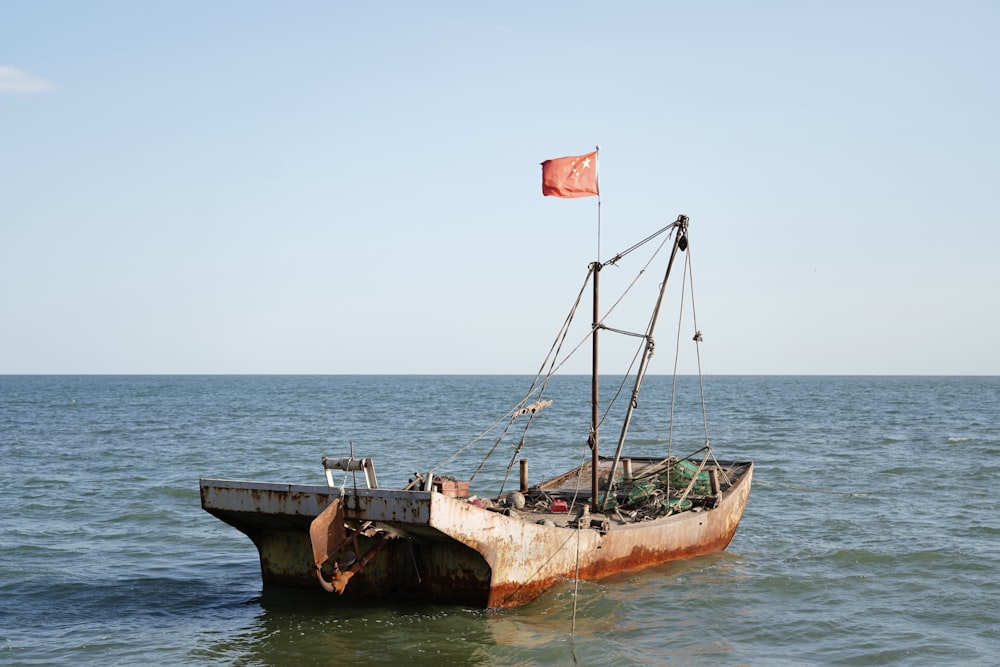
[350, 464]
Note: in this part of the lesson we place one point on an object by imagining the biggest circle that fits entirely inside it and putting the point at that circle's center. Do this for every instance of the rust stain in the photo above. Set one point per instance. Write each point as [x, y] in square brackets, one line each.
[449, 550]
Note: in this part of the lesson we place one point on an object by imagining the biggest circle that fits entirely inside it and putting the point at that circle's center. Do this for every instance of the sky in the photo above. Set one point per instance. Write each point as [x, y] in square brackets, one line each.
[354, 188]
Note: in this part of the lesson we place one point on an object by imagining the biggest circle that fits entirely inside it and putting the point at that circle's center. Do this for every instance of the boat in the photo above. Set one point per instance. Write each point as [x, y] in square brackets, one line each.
[434, 539]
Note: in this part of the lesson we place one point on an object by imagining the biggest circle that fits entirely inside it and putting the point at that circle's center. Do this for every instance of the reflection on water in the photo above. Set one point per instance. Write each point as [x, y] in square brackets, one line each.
[293, 627]
[625, 619]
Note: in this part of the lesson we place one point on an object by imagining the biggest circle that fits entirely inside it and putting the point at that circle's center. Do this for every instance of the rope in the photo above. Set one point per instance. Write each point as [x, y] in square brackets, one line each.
[554, 363]
[802, 488]
[576, 586]
[643, 242]
[677, 356]
[636, 334]
[552, 359]
[579, 477]
[697, 338]
[553, 354]
[576, 597]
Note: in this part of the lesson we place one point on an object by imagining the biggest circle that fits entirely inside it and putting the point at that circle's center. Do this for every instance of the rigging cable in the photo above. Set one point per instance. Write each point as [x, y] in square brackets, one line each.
[556, 345]
[697, 340]
[553, 356]
[677, 356]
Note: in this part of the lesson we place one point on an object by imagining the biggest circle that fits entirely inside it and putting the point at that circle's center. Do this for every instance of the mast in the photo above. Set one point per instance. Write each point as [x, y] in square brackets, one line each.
[595, 376]
[680, 243]
[594, 383]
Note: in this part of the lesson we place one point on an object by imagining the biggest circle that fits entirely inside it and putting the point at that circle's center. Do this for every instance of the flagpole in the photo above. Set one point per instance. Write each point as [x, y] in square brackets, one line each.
[595, 377]
[597, 168]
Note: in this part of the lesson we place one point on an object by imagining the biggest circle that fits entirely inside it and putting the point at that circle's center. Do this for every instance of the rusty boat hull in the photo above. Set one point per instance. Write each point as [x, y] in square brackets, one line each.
[450, 550]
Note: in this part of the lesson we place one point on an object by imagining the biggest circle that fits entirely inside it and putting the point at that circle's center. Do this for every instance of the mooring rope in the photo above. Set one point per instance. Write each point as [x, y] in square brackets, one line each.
[576, 585]
[576, 596]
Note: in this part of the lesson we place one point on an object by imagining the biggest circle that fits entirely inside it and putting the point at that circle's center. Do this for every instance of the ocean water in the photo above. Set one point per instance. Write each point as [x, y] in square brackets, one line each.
[872, 536]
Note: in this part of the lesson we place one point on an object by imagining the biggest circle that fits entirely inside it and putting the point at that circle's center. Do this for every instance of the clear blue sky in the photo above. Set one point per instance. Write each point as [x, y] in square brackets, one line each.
[322, 187]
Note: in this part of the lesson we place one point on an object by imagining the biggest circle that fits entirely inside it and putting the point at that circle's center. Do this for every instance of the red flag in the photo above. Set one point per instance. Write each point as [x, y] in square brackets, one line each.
[573, 176]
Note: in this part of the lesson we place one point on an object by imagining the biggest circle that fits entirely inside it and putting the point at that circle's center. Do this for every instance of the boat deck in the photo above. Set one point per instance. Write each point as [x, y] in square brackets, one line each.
[627, 505]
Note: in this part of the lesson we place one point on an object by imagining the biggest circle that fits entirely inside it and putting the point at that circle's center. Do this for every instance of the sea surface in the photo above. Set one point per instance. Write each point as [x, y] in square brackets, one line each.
[872, 536]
